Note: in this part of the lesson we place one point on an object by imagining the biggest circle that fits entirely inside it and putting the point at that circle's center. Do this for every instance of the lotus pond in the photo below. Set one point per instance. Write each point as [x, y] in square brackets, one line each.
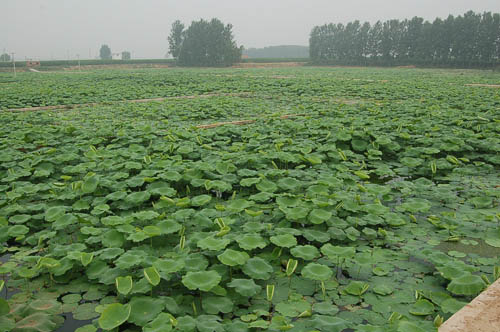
[375, 208]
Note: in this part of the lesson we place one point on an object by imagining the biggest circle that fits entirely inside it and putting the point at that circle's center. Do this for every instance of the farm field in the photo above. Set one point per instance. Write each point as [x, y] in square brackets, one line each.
[356, 200]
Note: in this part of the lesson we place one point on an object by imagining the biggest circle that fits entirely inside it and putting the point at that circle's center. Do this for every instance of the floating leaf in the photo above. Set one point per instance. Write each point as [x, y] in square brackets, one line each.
[245, 287]
[114, 315]
[317, 272]
[204, 281]
[232, 257]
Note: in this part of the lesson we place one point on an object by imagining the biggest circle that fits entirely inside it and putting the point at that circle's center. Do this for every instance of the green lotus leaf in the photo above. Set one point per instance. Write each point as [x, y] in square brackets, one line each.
[317, 272]
[376, 209]
[201, 200]
[359, 144]
[124, 284]
[328, 323]
[422, 308]
[325, 308]
[249, 182]
[451, 306]
[86, 258]
[71, 298]
[38, 321]
[169, 265]
[212, 243]
[494, 242]
[161, 188]
[19, 219]
[287, 201]
[214, 304]
[137, 198]
[334, 252]
[232, 257]
[86, 328]
[416, 205]
[467, 284]
[152, 275]
[162, 323]
[261, 197]
[238, 205]
[411, 162]
[52, 213]
[195, 262]
[152, 231]
[146, 215]
[284, 240]
[205, 280]
[314, 235]
[356, 288]
[48, 306]
[383, 290]
[267, 186]
[407, 326]
[258, 268]
[85, 311]
[319, 216]
[90, 184]
[144, 309]
[219, 185]
[481, 202]
[128, 260]
[114, 315]
[251, 241]
[289, 184]
[17, 230]
[245, 287]
[112, 239]
[169, 226]
[110, 253]
[306, 252]
[296, 213]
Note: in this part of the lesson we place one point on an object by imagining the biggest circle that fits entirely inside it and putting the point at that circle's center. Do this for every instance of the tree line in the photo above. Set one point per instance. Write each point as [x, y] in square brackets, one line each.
[469, 40]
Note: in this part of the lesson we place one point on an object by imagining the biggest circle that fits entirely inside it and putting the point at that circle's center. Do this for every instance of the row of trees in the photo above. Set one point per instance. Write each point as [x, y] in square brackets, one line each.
[471, 40]
[105, 53]
[204, 44]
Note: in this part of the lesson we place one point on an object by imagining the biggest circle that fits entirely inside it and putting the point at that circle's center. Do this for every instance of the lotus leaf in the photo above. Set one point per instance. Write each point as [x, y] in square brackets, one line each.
[422, 308]
[204, 281]
[258, 268]
[319, 216]
[212, 243]
[114, 315]
[232, 257]
[214, 304]
[124, 284]
[466, 284]
[328, 323]
[250, 242]
[306, 252]
[144, 309]
[162, 323]
[284, 240]
[245, 287]
[317, 272]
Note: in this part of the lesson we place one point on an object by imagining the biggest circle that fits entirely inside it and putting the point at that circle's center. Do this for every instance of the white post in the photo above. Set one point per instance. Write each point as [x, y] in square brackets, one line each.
[14, 64]
[78, 56]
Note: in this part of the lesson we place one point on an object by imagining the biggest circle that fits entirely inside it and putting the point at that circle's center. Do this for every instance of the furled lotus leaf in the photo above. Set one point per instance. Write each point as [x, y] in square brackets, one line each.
[258, 268]
[306, 252]
[328, 323]
[356, 288]
[238, 205]
[144, 309]
[467, 284]
[205, 280]
[114, 315]
[152, 275]
[213, 243]
[334, 252]
[86, 258]
[124, 284]
[319, 216]
[214, 304]
[317, 272]
[284, 240]
[201, 200]
[245, 287]
[232, 257]
[162, 323]
[90, 184]
[422, 308]
[251, 241]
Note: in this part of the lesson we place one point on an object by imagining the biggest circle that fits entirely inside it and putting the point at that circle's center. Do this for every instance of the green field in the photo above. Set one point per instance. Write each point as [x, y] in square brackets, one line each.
[357, 199]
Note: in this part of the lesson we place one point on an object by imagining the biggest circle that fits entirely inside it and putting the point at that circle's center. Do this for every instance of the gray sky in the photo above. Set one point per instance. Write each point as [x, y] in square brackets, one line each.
[45, 29]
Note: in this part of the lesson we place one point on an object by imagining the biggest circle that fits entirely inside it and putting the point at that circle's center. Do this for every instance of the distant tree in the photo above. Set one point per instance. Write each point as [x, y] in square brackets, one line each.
[5, 57]
[175, 39]
[105, 53]
[205, 44]
[126, 55]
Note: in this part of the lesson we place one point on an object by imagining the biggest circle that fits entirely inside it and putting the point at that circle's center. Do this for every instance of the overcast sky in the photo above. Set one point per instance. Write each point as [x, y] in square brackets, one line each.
[45, 29]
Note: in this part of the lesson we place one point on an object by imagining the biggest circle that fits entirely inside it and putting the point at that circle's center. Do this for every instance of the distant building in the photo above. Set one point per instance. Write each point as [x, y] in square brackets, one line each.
[32, 64]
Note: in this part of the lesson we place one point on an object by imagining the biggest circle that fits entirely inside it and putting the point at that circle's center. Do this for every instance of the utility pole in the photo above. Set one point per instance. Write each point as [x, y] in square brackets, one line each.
[79, 67]
[14, 64]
